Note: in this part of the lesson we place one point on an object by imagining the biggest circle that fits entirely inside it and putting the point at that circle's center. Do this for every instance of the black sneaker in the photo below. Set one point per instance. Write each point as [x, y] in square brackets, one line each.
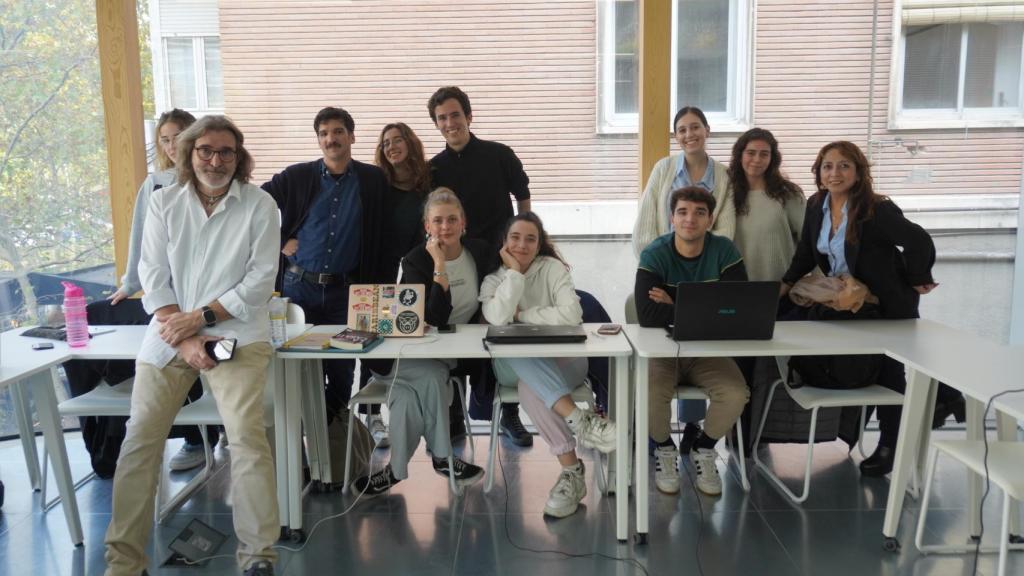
[512, 426]
[377, 484]
[690, 434]
[465, 473]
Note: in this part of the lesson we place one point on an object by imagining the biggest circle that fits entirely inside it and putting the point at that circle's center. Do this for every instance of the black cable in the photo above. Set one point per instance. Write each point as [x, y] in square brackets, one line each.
[988, 483]
[508, 534]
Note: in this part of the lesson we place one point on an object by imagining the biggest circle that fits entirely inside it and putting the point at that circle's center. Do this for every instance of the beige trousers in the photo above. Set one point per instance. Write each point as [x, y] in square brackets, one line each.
[157, 396]
[720, 378]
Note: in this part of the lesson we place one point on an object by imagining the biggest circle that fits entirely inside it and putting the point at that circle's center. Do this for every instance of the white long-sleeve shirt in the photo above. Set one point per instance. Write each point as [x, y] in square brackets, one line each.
[191, 260]
[544, 295]
[130, 281]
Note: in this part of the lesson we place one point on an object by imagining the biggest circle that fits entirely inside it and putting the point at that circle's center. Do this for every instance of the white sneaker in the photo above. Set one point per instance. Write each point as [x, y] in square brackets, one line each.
[708, 480]
[569, 490]
[666, 469]
[593, 431]
[378, 430]
[188, 458]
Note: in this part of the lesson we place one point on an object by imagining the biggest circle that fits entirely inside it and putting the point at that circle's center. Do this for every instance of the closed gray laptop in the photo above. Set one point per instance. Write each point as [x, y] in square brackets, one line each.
[533, 334]
[725, 310]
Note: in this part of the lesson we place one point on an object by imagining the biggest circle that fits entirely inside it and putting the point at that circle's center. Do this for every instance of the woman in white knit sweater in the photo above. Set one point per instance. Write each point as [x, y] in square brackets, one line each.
[692, 167]
[534, 286]
[769, 208]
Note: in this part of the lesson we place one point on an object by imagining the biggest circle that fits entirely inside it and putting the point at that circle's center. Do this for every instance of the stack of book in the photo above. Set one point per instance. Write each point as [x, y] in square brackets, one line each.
[348, 340]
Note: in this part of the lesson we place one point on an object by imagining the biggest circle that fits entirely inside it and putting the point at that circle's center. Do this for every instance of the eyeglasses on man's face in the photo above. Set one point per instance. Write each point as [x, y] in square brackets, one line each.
[207, 153]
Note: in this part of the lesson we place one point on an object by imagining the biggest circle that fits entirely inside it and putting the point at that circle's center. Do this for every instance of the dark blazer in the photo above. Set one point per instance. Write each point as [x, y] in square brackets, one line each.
[876, 259]
[418, 268]
[294, 190]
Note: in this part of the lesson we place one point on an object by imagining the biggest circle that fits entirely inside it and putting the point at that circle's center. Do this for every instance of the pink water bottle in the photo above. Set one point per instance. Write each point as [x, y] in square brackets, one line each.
[76, 322]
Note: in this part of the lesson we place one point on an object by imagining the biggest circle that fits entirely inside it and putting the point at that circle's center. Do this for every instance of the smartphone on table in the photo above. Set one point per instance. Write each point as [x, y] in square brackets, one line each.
[609, 329]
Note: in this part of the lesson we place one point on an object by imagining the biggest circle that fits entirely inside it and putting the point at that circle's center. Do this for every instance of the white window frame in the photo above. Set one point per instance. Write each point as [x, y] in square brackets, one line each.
[945, 118]
[738, 116]
[199, 68]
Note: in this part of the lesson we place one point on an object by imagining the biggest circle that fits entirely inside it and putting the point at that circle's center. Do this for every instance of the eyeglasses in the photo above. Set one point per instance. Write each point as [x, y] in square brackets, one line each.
[206, 154]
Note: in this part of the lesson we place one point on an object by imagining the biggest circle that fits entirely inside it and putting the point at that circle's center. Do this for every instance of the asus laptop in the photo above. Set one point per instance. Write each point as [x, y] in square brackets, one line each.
[725, 311]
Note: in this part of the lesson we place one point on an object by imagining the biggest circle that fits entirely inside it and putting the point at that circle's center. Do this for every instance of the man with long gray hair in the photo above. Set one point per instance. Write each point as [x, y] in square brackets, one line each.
[209, 259]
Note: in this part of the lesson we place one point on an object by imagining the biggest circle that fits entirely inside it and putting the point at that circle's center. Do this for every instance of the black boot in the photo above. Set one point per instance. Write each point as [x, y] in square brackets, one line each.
[956, 408]
[512, 427]
[880, 463]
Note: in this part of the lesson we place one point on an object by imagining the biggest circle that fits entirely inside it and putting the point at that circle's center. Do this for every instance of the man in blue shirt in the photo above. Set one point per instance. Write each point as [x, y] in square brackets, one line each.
[330, 235]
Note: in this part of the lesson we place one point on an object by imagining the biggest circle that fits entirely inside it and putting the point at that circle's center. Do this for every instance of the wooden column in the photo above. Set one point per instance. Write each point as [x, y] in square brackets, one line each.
[121, 79]
[654, 45]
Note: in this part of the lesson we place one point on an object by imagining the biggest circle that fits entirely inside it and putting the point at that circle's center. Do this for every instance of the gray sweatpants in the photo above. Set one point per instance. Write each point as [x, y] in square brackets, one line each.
[420, 396]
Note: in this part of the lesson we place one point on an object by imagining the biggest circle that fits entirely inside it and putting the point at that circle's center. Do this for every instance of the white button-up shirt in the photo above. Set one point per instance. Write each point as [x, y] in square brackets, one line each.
[191, 260]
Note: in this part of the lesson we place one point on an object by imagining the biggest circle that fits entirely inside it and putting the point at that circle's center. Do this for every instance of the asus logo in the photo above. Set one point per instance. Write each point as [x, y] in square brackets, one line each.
[727, 311]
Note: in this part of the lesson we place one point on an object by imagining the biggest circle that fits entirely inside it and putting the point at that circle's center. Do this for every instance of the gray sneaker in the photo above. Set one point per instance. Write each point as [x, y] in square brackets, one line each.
[189, 457]
[568, 492]
[261, 568]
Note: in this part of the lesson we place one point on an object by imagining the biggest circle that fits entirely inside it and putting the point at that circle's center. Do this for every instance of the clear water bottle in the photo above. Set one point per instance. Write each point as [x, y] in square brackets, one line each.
[278, 320]
[76, 322]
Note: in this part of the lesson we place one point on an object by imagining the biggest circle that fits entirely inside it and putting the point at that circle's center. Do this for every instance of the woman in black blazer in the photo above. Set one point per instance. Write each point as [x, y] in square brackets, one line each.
[849, 229]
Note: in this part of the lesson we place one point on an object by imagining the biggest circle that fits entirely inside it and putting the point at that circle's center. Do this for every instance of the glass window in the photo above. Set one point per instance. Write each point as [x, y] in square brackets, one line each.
[181, 73]
[710, 59]
[930, 75]
[214, 80]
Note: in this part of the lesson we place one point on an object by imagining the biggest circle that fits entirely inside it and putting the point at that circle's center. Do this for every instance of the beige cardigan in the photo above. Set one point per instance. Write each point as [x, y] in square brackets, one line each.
[652, 218]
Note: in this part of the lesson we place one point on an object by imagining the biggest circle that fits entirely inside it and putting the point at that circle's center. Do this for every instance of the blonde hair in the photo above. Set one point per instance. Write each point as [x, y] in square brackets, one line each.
[442, 195]
[180, 118]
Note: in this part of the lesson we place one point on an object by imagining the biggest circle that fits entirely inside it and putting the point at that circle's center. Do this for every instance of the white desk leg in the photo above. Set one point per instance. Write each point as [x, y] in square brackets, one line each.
[53, 434]
[640, 468]
[915, 404]
[293, 417]
[23, 415]
[280, 438]
[620, 384]
[1007, 430]
[975, 431]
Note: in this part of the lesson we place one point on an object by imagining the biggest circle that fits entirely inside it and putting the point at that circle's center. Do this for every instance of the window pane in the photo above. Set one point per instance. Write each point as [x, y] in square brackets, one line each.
[932, 66]
[993, 65]
[625, 57]
[703, 43]
[214, 82]
[181, 73]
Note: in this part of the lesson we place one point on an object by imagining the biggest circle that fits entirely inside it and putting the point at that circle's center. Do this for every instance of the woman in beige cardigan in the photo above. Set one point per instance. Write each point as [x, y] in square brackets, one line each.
[693, 167]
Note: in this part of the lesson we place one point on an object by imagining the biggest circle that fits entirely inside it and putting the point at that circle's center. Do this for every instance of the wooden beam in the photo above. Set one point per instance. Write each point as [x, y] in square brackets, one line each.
[121, 80]
[654, 45]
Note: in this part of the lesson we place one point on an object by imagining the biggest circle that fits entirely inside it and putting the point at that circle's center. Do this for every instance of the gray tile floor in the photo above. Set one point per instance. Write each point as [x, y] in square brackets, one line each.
[421, 529]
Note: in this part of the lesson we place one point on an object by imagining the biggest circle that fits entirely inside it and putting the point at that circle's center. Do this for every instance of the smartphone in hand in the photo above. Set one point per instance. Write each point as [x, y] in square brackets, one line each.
[221, 350]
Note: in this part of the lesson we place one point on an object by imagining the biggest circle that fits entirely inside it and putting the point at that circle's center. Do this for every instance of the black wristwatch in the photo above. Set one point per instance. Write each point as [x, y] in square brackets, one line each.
[209, 317]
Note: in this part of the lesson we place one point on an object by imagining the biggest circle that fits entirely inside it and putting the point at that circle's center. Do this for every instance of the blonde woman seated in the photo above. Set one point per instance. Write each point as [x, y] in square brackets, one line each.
[534, 286]
[451, 267]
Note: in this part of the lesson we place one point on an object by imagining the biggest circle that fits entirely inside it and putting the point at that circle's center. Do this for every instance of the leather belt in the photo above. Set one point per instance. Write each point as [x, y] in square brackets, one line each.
[315, 278]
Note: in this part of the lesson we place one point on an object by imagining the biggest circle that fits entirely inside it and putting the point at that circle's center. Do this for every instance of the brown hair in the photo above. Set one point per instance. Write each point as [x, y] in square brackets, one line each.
[183, 120]
[693, 194]
[445, 93]
[332, 113]
[777, 186]
[545, 246]
[187, 143]
[860, 204]
[416, 160]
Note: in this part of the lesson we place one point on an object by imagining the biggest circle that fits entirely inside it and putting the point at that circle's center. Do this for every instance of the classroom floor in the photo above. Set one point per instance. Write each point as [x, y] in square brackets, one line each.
[420, 528]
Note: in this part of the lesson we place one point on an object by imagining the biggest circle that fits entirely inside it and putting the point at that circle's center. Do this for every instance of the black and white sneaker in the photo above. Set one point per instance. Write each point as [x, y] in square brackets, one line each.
[465, 473]
[377, 484]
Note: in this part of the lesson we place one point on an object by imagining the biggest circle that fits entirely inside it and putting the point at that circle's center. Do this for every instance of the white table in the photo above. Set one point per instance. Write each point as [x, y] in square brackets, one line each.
[791, 339]
[465, 342]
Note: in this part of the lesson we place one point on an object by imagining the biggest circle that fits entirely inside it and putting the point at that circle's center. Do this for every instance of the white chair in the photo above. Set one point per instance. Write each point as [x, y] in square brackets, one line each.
[1005, 469]
[695, 393]
[376, 392]
[503, 394]
[813, 399]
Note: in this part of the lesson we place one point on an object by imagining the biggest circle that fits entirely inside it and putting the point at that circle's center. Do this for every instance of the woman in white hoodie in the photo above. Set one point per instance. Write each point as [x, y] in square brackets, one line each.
[533, 286]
